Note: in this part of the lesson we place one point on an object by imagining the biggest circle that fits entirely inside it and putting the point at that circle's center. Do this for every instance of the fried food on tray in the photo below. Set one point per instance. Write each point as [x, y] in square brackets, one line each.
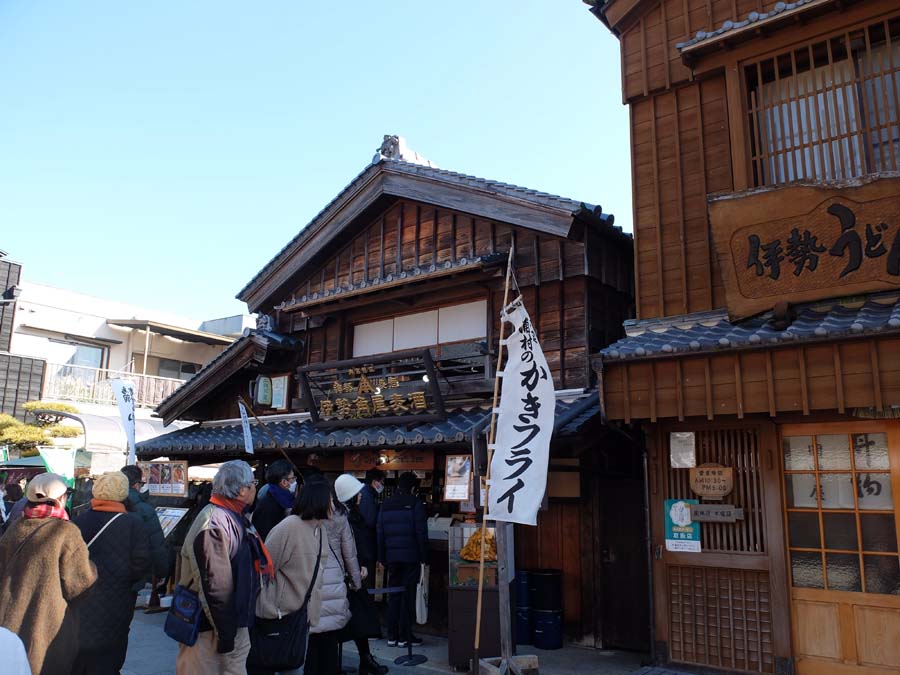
[472, 550]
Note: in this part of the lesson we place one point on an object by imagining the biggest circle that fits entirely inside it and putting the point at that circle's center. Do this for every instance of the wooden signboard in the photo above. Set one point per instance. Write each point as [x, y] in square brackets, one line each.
[805, 242]
[716, 513]
[712, 481]
[421, 459]
[398, 388]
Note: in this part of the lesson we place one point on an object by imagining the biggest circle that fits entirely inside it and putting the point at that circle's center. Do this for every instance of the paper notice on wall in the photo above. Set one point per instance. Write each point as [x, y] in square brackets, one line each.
[245, 424]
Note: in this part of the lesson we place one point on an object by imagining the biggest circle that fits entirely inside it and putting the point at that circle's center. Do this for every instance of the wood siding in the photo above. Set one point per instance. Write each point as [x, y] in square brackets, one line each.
[680, 153]
[862, 373]
[21, 380]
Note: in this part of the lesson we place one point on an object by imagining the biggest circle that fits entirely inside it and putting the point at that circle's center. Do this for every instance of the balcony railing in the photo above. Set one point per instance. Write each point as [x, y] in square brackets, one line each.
[92, 385]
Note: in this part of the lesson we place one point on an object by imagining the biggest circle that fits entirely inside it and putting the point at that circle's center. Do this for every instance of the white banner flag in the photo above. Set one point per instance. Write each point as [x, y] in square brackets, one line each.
[124, 391]
[524, 426]
[245, 423]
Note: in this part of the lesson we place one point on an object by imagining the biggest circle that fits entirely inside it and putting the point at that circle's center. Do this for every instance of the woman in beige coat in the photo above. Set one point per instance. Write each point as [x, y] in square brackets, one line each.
[295, 545]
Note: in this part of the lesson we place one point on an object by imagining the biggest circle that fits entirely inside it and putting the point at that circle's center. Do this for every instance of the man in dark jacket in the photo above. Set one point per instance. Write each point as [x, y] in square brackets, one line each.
[402, 533]
[159, 552]
[276, 504]
[368, 509]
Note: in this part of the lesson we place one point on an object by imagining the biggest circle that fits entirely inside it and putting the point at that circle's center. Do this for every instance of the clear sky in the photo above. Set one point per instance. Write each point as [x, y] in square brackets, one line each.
[160, 153]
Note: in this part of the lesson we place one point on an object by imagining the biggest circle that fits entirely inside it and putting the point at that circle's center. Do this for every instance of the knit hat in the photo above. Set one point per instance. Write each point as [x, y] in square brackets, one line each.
[111, 486]
[46, 487]
[346, 487]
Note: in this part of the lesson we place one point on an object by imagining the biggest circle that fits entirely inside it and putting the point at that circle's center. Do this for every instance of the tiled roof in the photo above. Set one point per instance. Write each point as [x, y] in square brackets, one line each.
[813, 323]
[535, 197]
[300, 434]
[751, 18]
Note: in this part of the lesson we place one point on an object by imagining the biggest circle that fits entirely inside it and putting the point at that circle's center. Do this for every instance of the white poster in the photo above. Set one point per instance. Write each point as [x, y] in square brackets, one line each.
[124, 391]
[524, 425]
[245, 424]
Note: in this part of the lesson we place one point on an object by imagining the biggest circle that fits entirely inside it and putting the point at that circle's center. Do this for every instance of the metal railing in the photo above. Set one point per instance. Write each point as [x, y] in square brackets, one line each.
[92, 385]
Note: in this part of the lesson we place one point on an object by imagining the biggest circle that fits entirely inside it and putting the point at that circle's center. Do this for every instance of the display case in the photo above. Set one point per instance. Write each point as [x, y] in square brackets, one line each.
[464, 553]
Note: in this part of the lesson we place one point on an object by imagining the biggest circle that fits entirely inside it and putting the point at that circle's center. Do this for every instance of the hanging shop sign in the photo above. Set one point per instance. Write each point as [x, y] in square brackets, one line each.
[712, 481]
[682, 532]
[165, 479]
[807, 242]
[398, 388]
[415, 459]
[272, 392]
[458, 478]
[716, 513]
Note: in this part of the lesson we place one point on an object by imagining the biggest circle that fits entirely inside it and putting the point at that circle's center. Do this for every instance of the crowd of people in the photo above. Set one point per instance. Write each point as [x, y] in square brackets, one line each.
[68, 588]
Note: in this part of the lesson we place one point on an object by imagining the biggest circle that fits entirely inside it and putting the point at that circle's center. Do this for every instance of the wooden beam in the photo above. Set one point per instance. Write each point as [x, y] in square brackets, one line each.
[838, 376]
[685, 301]
[770, 383]
[643, 29]
[365, 259]
[738, 386]
[710, 413]
[708, 247]
[418, 232]
[876, 375]
[627, 387]
[400, 241]
[453, 238]
[381, 254]
[661, 303]
[804, 383]
[679, 390]
[434, 239]
[652, 391]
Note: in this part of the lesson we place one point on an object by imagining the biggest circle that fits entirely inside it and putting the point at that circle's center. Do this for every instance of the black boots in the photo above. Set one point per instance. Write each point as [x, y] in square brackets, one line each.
[368, 665]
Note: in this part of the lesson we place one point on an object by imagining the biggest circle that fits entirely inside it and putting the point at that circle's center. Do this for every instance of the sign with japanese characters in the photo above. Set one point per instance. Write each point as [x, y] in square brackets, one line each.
[712, 481]
[716, 513]
[524, 425]
[415, 459]
[805, 243]
[682, 532]
[398, 388]
[124, 393]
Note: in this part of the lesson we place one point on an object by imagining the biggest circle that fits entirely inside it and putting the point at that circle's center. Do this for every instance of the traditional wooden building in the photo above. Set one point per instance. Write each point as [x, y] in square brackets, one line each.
[765, 149]
[377, 346]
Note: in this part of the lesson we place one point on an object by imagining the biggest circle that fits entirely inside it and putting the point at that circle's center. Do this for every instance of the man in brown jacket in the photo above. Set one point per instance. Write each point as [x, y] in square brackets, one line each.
[44, 570]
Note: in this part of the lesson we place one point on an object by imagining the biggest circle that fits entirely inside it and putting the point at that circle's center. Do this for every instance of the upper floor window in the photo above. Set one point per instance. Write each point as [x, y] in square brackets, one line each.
[464, 323]
[829, 110]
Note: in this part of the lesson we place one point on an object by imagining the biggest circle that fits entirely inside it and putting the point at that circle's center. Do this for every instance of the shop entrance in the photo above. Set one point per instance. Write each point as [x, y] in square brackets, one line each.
[840, 482]
[718, 593]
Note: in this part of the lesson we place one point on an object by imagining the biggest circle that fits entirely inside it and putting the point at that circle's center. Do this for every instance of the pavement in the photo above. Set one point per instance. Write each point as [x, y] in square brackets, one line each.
[151, 652]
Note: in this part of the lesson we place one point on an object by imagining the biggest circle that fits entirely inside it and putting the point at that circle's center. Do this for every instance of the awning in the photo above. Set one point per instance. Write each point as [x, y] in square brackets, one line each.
[186, 334]
[81, 462]
[105, 433]
[300, 434]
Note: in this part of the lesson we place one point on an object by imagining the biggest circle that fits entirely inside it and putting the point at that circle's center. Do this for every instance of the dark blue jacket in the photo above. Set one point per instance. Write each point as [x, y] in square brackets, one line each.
[402, 530]
[368, 506]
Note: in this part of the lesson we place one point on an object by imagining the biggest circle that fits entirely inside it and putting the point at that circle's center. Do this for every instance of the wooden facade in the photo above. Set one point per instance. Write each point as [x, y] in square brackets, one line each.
[406, 241]
[751, 114]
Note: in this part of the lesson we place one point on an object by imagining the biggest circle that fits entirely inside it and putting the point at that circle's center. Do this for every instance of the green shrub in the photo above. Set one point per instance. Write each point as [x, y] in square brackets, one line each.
[48, 419]
[60, 431]
[23, 436]
[8, 421]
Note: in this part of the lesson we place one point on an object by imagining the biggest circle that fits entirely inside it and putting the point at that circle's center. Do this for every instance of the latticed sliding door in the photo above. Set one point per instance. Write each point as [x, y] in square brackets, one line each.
[724, 607]
[840, 487]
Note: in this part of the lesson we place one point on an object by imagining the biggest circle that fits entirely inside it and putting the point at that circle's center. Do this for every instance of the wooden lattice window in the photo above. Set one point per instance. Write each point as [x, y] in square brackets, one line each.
[840, 515]
[828, 110]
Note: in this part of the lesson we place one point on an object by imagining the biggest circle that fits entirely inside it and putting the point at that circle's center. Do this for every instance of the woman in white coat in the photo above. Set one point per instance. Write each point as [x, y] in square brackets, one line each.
[341, 569]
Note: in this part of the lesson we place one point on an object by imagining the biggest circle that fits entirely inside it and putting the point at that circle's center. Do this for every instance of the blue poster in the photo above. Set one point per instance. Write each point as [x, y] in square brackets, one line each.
[682, 533]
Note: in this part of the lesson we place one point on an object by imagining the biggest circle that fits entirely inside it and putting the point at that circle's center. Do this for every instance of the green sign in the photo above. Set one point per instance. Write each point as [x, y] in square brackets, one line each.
[60, 461]
[682, 534]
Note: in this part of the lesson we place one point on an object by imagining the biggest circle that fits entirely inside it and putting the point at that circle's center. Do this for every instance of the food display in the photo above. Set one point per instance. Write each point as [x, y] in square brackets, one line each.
[472, 550]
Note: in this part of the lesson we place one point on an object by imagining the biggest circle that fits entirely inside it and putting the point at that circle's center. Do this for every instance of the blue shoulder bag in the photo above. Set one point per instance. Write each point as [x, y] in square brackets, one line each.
[183, 620]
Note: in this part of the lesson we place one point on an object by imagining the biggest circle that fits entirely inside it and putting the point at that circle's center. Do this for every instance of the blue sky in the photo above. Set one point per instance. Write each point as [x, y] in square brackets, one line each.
[160, 153]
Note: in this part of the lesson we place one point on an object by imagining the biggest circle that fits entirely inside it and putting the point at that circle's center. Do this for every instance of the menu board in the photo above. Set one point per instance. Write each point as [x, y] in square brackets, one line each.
[169, 517]
[458, 479]
[169, 479]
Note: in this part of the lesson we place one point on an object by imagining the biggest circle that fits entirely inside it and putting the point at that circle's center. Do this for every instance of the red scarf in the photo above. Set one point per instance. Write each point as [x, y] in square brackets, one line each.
[45, 510]
[107, 506]
[262, 561]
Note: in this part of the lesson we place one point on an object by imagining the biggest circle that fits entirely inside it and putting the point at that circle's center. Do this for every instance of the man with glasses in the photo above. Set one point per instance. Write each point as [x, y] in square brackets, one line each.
[278, 500]
[222, 559]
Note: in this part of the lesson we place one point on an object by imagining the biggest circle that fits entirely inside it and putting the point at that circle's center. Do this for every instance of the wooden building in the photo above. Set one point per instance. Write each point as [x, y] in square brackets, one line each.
[765, 150]
[377, 345]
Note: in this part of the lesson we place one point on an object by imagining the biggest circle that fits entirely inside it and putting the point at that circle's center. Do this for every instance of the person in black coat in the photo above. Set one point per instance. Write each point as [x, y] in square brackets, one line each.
[402, 534]
[276, 503]
[118, 546]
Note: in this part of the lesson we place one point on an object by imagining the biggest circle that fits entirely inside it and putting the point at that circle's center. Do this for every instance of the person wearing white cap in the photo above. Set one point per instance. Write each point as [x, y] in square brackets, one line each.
[44, 571]
[363, 618]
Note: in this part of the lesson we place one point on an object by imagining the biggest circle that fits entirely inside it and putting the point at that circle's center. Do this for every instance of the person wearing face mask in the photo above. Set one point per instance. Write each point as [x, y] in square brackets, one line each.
[368, 499]
[277, 502]
[137, 502]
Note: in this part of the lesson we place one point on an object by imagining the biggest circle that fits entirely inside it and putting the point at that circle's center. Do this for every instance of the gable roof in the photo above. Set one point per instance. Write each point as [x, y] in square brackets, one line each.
[495, 200]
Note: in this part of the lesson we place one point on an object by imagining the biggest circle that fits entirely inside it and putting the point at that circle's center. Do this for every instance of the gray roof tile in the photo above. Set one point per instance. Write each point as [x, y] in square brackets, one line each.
[812, 323]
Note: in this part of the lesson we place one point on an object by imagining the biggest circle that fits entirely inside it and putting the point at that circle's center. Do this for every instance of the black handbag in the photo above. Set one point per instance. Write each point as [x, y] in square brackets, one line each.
[364, 624]
[280, 644]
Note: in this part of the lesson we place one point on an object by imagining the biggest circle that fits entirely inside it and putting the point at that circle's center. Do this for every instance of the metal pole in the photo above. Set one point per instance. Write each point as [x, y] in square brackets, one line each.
[146, 348]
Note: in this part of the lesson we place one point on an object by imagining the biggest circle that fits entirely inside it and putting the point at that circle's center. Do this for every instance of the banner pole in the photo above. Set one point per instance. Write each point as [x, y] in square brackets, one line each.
[492, 435]
[270, 435]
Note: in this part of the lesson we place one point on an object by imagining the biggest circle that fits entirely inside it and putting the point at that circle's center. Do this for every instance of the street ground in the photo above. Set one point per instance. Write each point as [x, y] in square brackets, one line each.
[151, 652]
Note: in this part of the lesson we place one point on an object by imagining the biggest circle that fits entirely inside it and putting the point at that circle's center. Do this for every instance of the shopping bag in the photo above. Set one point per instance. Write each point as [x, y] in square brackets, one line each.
[422, 596]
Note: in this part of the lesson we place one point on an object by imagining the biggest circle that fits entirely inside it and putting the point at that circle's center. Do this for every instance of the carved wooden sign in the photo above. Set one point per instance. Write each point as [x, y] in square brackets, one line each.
[716, 513]
[712, 481]
[806, 242]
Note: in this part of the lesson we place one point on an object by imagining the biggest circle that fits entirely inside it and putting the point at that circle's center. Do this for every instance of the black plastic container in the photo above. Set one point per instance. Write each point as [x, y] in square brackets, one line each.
[548, 629]
[545, 590]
